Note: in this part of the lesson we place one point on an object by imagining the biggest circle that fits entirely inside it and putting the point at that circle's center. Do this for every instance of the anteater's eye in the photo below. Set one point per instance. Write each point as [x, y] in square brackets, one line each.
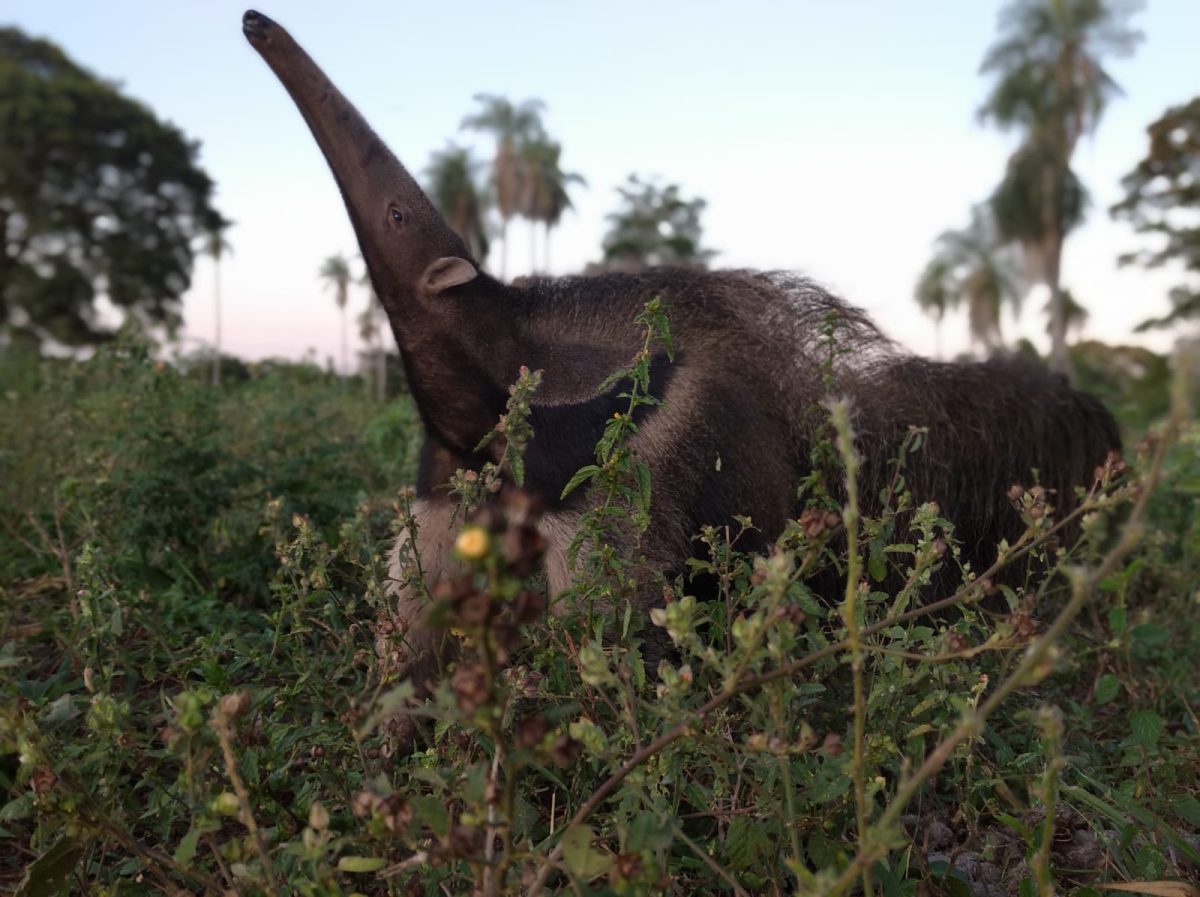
[396, 215]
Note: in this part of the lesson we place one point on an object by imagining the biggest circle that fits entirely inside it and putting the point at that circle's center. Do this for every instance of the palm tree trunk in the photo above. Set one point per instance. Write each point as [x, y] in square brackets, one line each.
[532, 246]
[546, 247]
[216, 368]
[1060, 362]
[503, 248]
[345, 344]
[1052, 185]
[937, 339]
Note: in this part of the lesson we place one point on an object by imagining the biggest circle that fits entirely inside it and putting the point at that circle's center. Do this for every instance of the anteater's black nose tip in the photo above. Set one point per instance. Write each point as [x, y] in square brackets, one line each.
[255, 24]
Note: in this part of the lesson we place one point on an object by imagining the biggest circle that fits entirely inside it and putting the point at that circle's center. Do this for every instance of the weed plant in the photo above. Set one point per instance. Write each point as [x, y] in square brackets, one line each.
[196, 692]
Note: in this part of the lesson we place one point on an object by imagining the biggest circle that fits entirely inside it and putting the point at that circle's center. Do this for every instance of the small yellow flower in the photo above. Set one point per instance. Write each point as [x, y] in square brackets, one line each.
[472, 543]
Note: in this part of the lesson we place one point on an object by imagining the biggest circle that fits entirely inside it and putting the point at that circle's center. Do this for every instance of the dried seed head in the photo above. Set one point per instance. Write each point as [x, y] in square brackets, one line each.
[489, 517]
[473, 608]
[463, 841]
[470, 686]
[1016, 492]
[506, 639]
[42, 780]
[956, 642]
[454, 589]
[363, 803]
[395, 813]
[832, 745]
[792, 613]
[531, 730]
[528, 606]
[235, 705]
[812, 521]
[318, 816]
[523, 549]
[940, 546]
[521, 507]
[1023, 624]
[565, 750]
[625, 866]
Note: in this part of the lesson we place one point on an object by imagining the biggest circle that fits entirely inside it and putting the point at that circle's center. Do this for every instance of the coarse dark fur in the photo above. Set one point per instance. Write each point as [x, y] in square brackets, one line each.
[736, 429]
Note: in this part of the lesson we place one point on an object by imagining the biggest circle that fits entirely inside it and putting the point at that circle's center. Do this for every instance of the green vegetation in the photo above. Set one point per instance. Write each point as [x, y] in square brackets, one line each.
[200, 687]
[654, 225]
[97, 196]
[1162, 197]
[196, 693]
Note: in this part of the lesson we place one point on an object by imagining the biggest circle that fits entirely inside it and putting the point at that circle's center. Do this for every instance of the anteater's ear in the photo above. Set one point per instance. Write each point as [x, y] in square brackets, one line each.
[447, 272]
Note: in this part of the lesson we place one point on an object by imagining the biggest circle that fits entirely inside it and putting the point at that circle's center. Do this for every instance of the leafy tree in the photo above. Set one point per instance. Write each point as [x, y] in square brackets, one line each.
[215, 246]
[654, 225]
[454, 189]
[974, 267]
[336, 273]
[512, 126]
[1161, 193]
[98, 197]
[545, 194]
[1051, 86]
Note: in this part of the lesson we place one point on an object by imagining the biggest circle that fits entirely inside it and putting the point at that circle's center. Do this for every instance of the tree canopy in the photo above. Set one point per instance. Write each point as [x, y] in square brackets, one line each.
[454, 187]
[98, 197]
[1051, 86]
[654, 225]
[974, 267]
[1162, 197]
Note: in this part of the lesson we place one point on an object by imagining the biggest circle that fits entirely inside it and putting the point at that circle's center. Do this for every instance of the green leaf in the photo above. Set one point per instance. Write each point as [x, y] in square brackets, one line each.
[647, 833]
[582, 860]
[1107, 688]
[1188, 809]
[1146, 727]
[1116, 620]
[582, 475]
[1150, 634]
[388, 705]
[47, 874]
[186, 851]
[745, 843]
[361, 864]
[18, 808]
[430, 811]
[60, 711]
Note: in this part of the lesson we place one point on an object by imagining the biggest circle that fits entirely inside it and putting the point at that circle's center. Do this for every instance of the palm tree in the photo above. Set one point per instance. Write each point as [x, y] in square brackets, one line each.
[453, 187]
[511, 125]
[371, 331]
[1052, 87]
[215, 246]
[972, 267]
[934, 297]
[546, 190]
[336, 273]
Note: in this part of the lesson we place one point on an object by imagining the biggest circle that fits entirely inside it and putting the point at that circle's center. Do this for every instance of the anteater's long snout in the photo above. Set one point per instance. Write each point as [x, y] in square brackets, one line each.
[256, 26]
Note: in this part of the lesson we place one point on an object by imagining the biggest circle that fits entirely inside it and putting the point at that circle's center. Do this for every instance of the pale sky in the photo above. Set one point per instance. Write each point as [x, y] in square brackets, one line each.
[836, 139]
